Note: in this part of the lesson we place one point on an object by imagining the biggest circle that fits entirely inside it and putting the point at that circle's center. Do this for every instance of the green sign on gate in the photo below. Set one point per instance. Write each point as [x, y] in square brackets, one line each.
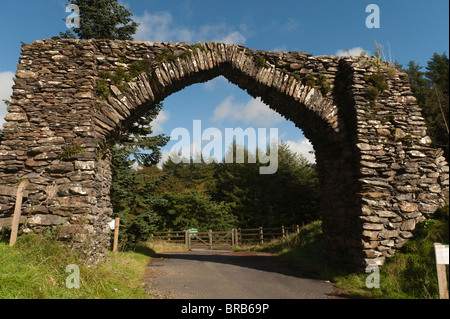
[193, 232]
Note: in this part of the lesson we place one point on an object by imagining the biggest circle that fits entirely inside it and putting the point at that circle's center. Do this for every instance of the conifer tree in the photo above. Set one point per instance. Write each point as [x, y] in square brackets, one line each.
[103, 19]
[431, 89]
[134, 191]
[290, 196]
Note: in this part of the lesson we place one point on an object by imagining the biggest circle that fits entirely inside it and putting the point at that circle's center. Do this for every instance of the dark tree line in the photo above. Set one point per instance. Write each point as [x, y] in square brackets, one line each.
[218, 196]
[430, 86]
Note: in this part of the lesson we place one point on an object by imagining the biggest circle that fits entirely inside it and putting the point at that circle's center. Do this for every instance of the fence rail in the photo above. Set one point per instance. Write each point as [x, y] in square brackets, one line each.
[226, 239]
[171, 236]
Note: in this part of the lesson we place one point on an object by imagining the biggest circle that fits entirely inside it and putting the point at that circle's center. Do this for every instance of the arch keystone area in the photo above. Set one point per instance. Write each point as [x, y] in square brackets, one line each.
[379, 176]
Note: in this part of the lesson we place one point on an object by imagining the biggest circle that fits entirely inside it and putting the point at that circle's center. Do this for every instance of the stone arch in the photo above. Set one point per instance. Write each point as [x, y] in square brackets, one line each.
[378, 175]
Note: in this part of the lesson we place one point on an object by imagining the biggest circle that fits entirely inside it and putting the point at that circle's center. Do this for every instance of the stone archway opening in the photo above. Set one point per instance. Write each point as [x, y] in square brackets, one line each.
[378, 174]
[329, 138]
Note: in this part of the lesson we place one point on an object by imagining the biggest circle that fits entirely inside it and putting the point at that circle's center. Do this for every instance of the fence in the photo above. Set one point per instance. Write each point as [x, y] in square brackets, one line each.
[259, 236]
[226, 239]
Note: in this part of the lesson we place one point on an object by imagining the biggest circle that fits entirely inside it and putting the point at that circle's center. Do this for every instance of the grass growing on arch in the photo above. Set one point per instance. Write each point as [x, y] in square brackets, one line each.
[35, 268]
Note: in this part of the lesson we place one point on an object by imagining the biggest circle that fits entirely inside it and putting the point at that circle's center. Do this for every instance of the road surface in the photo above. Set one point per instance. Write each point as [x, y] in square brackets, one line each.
[227, 275]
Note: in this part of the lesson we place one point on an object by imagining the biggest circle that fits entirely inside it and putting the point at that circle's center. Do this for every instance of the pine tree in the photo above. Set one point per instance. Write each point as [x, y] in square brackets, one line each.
[431, 89]
[137, 141]
[289, 196]
[103, 19]
[134, 191]
[193, 175]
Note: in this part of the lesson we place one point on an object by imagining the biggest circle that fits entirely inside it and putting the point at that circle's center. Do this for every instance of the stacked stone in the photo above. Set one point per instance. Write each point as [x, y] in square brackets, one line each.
[378, 174]
[403, 178]
[48, 124]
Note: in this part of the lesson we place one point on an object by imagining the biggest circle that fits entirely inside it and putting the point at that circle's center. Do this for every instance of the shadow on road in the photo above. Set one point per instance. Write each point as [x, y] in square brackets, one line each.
[258, 261]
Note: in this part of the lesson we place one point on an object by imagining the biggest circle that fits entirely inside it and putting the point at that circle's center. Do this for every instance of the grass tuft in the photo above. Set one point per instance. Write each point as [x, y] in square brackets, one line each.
[35, 268]
[410, 274]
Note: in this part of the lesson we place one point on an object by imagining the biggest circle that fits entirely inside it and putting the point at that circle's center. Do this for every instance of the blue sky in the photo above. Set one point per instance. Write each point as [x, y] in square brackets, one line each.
[413, 29]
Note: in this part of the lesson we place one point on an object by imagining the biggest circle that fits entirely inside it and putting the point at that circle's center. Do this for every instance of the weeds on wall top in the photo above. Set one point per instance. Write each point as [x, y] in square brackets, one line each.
[120, 76]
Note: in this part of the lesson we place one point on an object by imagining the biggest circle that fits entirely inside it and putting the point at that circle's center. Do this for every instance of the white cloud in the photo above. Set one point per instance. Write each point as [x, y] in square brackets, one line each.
[351, 52]
[161, 27]
[291, 24]
[6, 83]
[253, 112]
[176, 155]
[230, 38]
[280, 48]
[303, 147]
[157, 123]
[215, 83]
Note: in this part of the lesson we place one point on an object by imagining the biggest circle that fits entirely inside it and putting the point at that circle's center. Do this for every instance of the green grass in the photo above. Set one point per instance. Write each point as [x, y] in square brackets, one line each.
[35, 268]
[410, 274]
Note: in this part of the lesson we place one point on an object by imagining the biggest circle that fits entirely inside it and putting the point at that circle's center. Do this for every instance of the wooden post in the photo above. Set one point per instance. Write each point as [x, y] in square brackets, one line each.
[232, 238]
[17, 212]
[239, 236]
[189, 240]
[297, 230]
[116, 235]
[210, 239]
[282, 231]
[441, 263]
[442, 281]
[261, 236]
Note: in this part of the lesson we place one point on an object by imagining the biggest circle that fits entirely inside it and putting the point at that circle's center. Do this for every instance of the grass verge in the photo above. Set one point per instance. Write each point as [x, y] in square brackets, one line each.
[410, 274]
[35, 268]
[160, 246]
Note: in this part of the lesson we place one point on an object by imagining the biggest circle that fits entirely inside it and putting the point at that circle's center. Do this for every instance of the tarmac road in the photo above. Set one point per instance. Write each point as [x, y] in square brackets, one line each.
[226, 275]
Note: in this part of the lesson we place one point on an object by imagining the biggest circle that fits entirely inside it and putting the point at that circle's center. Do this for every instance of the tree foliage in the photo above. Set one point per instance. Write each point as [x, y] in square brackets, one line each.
[290, 196]
[103, 19]
[134, 189]
[431, 89]
[194, 209]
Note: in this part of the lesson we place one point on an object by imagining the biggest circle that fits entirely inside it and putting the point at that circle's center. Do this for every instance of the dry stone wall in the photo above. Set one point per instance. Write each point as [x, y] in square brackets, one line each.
[378, 174]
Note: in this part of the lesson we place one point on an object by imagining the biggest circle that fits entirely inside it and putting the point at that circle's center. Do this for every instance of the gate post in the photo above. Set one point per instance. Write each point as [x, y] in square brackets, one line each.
[261, 236]
[232, 238]
[187, 238]
[210, 239]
